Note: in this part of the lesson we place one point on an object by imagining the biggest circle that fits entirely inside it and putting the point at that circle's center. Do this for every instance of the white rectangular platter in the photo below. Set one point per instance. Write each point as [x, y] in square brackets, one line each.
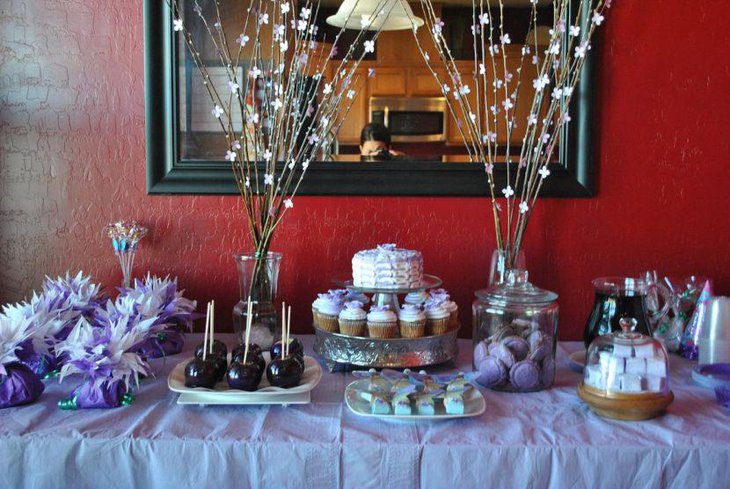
[266, 394]
[474, 405]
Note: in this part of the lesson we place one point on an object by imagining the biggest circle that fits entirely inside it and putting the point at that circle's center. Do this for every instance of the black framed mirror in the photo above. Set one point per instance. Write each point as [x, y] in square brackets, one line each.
[172, 170]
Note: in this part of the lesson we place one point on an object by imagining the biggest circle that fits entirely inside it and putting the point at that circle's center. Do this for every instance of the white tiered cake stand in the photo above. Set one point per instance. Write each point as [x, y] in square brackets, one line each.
[342, 352]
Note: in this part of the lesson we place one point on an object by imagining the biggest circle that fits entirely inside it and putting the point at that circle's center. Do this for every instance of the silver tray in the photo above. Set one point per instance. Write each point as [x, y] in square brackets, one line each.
[341, 351]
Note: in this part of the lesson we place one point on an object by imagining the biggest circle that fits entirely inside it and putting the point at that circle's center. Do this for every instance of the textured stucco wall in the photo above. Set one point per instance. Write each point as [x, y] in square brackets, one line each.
[72, 158]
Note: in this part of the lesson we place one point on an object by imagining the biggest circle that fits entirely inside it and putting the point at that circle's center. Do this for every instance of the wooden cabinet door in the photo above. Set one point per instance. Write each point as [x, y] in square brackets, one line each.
[421, 82]
[388, 82]
[350, 129]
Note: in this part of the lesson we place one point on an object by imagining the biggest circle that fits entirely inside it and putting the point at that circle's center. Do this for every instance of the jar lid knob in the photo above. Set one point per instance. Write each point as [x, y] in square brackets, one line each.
[628, 324]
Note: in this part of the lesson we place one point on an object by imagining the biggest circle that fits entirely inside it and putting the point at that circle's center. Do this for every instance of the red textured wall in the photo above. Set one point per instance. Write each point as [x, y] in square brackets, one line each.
[72, 158]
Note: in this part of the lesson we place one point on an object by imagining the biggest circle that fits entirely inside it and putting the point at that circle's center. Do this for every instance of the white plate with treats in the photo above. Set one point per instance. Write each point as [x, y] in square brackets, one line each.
[474, 405]
[266, 393]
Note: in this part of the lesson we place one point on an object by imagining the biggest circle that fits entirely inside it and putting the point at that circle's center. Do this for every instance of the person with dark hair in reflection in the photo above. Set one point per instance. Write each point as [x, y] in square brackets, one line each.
[375, 143]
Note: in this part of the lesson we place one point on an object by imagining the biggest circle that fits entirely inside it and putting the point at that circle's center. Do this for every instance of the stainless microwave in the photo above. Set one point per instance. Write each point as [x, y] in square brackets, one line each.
[411, 120]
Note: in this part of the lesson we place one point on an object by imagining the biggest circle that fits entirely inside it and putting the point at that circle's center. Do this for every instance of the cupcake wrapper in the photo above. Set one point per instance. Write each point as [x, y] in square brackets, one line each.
[412, 329]
[454, 319]
[383, 330]
[353, 327]
[329, 323]
[315, 317]
[438, 326]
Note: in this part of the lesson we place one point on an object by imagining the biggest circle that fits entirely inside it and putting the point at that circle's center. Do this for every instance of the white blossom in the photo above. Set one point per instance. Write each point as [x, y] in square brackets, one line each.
[283, 46]
[177, 25]
[508, 192]
[507, 104]
[242, 39]
[217, 111]
[236, 144]
[268, 179]
[540, 82]
[351, 94]
[597, 18]
[364, 21]
[524, 207]
[504, 39]
[327, 89]
[264, 19]
[288, 203]
[464, 90]
[305, 13]
[575, 30]
[254, 72]
[267, 155]
[231, 155]
[253, 118]
[369, 46]
[482, 69]
[277, 104]
[484, 19]
[531, 119]
[580, 51]
[285, 8]
[233, 86]
[544, 172]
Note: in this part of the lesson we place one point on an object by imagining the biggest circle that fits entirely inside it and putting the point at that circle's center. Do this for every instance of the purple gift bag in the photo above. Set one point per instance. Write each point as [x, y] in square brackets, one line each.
[163, 344]
[90, 395]
[19, 385]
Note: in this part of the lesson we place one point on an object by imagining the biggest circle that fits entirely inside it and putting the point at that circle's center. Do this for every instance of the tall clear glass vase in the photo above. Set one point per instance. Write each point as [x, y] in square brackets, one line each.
[500, 264]
[257, 276]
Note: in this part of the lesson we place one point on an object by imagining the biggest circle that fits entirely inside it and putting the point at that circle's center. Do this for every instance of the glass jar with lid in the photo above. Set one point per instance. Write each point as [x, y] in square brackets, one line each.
[626, 375]
[515, 328]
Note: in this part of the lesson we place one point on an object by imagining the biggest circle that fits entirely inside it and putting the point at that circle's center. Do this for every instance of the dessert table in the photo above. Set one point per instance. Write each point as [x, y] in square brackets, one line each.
[543, 439]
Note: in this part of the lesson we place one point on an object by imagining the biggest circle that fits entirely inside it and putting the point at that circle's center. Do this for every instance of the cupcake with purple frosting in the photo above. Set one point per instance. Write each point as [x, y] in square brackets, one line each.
[353, 319]
[412, 321]
[328, 312]
[437, 318]
[382, 322]
[443, 297]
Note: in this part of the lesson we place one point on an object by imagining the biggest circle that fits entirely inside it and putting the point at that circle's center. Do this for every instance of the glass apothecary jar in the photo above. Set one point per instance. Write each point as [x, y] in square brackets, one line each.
[626, 375]
[515, 333]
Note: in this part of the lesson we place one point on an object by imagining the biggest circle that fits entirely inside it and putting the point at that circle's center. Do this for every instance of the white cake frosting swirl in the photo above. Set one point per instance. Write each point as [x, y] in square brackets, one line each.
[387, 267]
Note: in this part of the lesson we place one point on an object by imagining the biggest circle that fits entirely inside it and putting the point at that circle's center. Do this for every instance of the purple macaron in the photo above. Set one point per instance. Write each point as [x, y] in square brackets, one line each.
[539, 353]
[504, 354]
[548, 371]
[524, 375]
[492, 372]
[480, 352]
[517, 346]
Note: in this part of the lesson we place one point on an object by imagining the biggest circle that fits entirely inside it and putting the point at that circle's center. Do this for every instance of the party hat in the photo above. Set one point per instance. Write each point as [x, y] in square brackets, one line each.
[691, 336]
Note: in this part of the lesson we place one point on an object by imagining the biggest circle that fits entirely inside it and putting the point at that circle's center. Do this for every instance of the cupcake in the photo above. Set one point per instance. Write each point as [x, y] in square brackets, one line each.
[416, 298]
[321, 298]
[437, 318]
[382, 322]
[356, 296]
[453, 309]
[412, 321]
[328, 312]
[339, 294]
[353, 319]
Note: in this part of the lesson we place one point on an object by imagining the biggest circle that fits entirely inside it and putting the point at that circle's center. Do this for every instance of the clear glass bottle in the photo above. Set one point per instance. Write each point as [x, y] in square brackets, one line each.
[515, 327]
[257, 277]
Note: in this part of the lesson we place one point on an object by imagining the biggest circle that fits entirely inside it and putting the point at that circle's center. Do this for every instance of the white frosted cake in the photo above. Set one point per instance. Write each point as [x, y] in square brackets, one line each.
[387, 267]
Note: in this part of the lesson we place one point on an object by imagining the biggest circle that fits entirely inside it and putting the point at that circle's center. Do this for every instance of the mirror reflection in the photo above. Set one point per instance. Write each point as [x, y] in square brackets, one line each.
[400, 113]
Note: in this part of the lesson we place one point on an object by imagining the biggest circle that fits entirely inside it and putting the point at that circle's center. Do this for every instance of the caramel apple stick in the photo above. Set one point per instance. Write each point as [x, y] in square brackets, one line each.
[288, 328]
[207, 329]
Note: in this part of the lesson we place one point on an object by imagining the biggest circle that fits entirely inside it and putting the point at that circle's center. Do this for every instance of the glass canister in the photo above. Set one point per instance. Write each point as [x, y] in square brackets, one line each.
[515, 326]
[626, 375]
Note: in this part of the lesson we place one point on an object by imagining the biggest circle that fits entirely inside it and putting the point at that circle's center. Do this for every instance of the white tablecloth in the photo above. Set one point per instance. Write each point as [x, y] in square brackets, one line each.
[544, 439]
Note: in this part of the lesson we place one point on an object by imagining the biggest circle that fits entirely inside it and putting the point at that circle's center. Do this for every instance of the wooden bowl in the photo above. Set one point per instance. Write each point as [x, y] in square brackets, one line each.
[626, 407]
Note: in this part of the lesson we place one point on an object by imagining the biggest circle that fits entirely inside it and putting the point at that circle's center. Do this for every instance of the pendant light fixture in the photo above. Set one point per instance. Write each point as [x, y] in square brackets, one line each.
[395, 15]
